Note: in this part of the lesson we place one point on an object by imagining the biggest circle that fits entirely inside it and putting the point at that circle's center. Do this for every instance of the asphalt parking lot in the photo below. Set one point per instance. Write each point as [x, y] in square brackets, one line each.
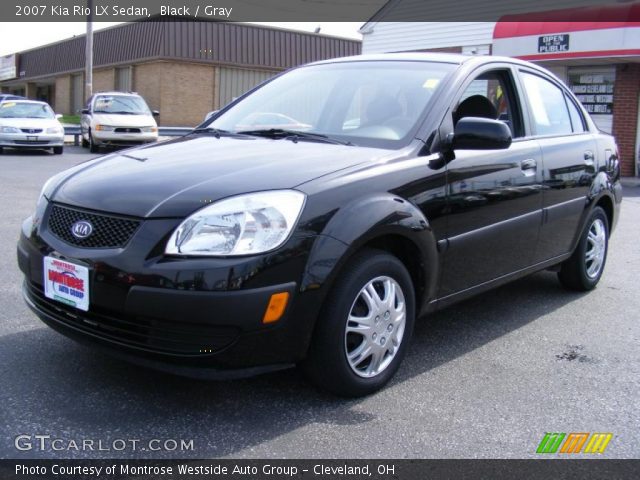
[483, 379]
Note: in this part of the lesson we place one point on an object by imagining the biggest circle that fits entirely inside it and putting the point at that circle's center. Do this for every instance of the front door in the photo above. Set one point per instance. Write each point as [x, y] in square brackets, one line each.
[494, 197]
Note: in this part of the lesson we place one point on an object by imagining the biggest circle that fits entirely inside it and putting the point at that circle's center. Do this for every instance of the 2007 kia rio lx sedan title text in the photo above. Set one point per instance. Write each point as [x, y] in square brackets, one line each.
[312, 220]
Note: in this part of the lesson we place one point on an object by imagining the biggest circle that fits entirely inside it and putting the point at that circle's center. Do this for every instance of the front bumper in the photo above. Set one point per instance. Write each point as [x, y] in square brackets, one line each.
[123, 139]
[31, 140]
[196, 317]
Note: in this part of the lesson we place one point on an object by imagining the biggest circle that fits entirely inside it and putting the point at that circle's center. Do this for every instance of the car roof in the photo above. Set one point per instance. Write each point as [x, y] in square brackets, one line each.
[26, 100]
[453, 58]
[128, 94]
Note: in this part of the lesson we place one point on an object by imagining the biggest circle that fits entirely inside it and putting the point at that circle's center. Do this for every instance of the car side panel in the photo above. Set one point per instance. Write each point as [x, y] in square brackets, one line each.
[404, 198]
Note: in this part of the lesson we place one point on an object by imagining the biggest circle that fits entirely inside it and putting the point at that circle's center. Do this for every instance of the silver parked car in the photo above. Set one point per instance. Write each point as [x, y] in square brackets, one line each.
[30, 124]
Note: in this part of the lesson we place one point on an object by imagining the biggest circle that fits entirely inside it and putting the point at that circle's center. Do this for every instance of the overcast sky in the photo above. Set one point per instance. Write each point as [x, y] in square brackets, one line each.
[18, 36]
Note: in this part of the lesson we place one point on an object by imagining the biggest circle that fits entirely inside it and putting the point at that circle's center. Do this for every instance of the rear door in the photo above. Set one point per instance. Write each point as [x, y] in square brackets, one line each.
[494, 196]
[568, 152]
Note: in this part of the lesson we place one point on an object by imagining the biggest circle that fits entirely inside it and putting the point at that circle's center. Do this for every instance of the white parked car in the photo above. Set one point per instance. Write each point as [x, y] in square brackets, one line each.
[30, 124]
[117, 119]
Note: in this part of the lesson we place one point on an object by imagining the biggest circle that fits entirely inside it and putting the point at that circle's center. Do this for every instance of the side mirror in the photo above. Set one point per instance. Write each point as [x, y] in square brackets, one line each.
[210, 114]
[58, 116]
[155, 113]
[85, 111]
[475, 133]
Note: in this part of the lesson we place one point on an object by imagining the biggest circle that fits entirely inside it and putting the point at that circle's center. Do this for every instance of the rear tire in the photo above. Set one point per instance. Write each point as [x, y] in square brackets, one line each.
[58, 150]
[583, 270]
[83, 142]
[364, 327]
[1, 151]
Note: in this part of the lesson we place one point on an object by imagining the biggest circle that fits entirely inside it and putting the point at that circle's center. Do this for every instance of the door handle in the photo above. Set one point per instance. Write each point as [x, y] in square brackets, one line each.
[529, 164]
[588, 156]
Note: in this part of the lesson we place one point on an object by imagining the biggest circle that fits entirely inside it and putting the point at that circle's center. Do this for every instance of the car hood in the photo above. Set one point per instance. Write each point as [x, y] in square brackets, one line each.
[123, 120]
[175, 178]
[29, 122]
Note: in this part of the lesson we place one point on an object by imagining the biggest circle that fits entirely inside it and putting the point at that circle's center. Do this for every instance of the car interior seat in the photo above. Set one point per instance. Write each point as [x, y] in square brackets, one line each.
[475, 106]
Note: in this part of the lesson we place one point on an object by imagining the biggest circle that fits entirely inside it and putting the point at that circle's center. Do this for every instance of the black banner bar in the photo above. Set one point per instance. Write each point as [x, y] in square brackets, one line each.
[315, 10]
[318, 469]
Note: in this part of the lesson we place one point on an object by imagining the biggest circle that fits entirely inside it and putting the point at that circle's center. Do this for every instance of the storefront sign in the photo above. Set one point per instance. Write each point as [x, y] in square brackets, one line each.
[8, 67]
[594, 90]
[553, 43]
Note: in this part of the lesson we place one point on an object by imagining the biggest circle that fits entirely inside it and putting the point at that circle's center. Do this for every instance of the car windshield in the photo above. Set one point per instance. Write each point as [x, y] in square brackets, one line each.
[25, 110]
[123, 104]
[365, 103]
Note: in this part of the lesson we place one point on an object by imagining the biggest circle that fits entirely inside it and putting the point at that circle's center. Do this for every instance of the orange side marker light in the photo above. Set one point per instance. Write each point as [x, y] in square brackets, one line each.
[276, 307]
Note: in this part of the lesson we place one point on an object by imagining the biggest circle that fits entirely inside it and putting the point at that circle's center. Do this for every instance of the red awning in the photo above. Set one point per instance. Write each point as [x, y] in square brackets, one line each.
[568, 20]
[605, 31]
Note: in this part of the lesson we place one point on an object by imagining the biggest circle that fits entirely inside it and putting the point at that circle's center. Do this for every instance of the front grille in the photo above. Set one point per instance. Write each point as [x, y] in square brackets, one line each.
[31, 130]
[127, 130]
[31, 142]
[149, 334]
[108, 231]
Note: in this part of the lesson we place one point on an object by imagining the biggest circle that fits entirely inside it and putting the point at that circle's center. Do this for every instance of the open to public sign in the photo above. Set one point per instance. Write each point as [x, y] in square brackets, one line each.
[66, 282]
[553, 43]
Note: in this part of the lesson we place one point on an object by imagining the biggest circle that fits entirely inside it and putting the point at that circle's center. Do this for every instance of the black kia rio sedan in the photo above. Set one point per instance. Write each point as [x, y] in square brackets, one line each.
[314, 219]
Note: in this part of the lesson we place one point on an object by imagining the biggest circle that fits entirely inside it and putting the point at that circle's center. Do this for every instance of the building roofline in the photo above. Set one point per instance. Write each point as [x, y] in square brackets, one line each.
[153, 19]
[378, 15]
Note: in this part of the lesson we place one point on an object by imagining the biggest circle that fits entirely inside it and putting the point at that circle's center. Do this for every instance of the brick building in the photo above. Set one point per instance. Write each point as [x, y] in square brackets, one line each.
[599, 60]
[184, 69]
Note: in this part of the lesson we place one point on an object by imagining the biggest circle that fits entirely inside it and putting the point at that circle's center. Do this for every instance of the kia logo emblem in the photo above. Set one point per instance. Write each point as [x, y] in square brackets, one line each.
[81, 229]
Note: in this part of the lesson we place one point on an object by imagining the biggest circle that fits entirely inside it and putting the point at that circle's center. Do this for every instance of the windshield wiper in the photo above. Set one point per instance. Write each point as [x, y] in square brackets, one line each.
[293, 135]
[123, 112]
[216, 132]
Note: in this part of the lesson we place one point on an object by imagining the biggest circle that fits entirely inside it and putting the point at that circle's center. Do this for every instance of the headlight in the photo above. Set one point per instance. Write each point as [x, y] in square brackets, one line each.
[149, 129]
[10, 130]
[246, 224]
[104, 128]
[54, 130]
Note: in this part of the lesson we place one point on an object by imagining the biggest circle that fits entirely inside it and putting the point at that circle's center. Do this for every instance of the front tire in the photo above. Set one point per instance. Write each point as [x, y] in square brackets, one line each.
[364, 328]
[58, 150]
[583, 270]
[93, 148]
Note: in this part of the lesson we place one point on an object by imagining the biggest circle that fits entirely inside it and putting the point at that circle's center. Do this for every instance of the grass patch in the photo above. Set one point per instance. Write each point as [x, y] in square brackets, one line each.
[72, 119]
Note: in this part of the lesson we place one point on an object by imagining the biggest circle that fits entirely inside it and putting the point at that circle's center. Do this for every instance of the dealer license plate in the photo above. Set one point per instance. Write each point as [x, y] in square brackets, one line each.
[66, 282]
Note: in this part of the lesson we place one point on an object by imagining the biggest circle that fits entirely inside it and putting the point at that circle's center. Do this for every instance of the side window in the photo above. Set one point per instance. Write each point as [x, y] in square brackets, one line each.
[490, 96]
[576, 118]
[548, 106]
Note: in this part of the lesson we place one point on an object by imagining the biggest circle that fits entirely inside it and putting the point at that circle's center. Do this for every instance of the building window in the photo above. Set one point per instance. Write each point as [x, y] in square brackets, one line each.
[123, 79]
[594, 89]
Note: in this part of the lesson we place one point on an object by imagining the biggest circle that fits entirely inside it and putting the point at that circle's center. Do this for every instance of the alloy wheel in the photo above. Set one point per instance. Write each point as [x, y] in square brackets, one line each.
[596, 248]
[375, 327]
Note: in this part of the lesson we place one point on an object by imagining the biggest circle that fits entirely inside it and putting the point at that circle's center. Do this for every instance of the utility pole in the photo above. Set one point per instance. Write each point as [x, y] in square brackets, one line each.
[88, 64]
